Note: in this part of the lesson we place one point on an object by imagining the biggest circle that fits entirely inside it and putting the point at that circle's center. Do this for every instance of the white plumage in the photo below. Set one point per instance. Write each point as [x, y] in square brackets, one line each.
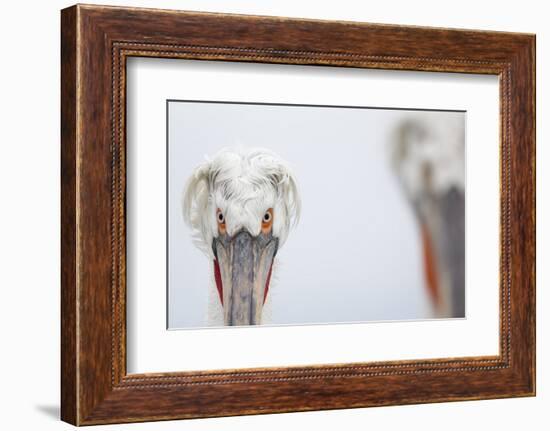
[242, 183]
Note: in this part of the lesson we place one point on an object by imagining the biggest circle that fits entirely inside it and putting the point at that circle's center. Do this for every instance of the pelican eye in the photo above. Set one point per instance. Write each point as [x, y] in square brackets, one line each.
[220, 218]
[267, 221]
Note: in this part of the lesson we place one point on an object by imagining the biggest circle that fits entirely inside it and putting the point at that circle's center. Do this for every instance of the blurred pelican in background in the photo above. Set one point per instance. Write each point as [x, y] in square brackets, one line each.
[429, 160]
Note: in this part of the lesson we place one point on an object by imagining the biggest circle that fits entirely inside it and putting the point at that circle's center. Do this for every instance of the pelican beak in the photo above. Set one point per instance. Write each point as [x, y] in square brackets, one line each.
[242, 270]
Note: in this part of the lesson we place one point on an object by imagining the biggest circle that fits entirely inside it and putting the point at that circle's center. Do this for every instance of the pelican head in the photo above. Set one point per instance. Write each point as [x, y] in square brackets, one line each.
[240, 205]
[429, 156]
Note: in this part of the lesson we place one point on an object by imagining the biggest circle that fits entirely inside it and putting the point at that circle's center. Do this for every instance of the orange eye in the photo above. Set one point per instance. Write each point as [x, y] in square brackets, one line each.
[267, 221]
[221, 221]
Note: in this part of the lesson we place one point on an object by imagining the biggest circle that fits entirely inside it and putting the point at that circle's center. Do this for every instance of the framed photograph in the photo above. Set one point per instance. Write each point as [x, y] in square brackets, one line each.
[265, 214]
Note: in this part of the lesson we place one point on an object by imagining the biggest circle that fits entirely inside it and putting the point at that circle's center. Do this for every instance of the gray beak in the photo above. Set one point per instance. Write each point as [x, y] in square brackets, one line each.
[245, 265]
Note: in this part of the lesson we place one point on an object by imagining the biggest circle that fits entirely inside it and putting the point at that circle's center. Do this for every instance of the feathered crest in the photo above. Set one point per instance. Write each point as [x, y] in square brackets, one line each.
[243, 183]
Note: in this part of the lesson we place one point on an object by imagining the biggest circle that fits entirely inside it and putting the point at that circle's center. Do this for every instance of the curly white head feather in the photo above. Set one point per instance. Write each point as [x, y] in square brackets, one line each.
[243, 184]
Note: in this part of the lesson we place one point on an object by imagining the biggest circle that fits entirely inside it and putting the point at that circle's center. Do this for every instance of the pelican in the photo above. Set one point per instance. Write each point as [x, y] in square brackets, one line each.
[428, 157]
[240, 206]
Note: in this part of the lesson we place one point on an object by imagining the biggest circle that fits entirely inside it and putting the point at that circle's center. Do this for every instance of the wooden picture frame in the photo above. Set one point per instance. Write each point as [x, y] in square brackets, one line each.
[95, 43]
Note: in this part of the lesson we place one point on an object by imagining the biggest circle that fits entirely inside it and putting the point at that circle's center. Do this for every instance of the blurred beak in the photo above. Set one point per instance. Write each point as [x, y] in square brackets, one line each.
[242, 270]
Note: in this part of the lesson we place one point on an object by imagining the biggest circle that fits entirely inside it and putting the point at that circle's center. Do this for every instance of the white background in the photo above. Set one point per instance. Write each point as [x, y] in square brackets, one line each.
[29, 235]
[153, 349]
